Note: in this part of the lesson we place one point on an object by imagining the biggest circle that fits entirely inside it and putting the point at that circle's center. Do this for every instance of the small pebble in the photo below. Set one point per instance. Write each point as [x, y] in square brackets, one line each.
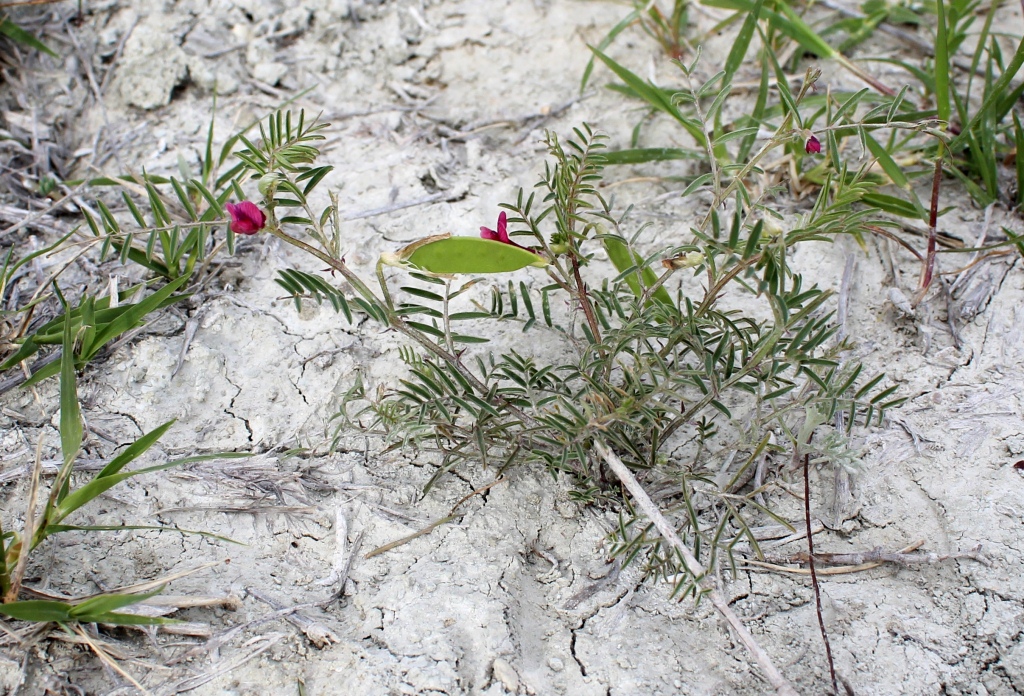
[556, 664]
[506, 674]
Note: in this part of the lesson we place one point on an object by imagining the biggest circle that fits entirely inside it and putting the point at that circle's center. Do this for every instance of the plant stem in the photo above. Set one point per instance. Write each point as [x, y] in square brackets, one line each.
[693, 566]
[933, 218]
[384, 284]
[5, 576]
[32, 528]
[584, 299]
[446, 318]
[814, 575]
[778, 137]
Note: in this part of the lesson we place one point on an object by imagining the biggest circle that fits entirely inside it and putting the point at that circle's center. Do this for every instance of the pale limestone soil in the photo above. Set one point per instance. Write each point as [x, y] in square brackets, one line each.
[479, 606]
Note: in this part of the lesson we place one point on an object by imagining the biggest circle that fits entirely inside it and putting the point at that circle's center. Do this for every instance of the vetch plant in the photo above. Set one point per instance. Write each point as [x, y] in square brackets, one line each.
[177, 240]
[702, 400]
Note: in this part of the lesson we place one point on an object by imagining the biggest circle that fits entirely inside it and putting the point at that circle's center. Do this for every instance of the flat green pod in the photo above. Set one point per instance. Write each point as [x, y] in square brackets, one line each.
[447, 255]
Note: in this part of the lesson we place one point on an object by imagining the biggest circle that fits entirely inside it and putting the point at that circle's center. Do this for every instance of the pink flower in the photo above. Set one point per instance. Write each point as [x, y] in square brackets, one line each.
[502, 234]
[813, 145]
[246, 218]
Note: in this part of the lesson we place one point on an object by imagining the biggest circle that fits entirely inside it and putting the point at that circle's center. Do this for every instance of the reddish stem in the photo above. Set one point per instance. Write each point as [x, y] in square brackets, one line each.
[814, 575]
[933, 217]
[584, 298]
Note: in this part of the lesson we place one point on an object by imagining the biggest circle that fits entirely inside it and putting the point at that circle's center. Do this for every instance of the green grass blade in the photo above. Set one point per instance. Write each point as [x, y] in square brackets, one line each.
[27, 350]
[207, 163]
[83, 495]
[624, 259]
[1018, 138]
[16, 33]
[135, 314]
[134, 450]
[606, 42]
[942, 102]
[981, 41]
[106, 603]
[651, 154]
[742, 42]
[994, 99]
[39, 610]
[41, 374]
[757, 115]
[653, 96]
[70, 414]
[114, 619]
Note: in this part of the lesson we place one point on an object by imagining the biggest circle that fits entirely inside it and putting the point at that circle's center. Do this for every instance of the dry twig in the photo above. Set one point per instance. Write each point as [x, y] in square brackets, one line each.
[453, 514]
[903, 558]
[439, 197]
[318, 633]
[779, 682]
[107, 659]
[866, 560]
[191, 683]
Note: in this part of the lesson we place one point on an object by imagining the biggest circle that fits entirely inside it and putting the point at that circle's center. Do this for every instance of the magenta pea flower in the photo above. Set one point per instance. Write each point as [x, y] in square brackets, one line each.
[501, 235]
[246, 218]
[813, 145]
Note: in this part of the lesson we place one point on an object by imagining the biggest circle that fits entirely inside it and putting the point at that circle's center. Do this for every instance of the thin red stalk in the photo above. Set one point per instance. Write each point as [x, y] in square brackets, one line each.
[933, 218]
[588, 309]
[814, 575]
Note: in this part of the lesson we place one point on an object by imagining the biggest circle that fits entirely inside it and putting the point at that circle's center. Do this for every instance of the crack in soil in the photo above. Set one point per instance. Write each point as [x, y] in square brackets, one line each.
[245, 421]
[583, 624]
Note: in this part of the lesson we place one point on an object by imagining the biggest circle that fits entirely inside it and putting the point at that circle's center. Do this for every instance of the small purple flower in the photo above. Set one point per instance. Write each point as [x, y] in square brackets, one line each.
[501, 235]
[813, 145]
[246, 218]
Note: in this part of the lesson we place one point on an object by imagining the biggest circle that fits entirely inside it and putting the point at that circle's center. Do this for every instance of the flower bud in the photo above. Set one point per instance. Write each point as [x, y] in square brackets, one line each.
[268, 184]
[690, 259]
[559, 244]
[813, 145]
[771, 227]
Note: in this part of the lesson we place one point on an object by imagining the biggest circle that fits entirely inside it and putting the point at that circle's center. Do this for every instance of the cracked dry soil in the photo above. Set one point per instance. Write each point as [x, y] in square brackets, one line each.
[450, 97]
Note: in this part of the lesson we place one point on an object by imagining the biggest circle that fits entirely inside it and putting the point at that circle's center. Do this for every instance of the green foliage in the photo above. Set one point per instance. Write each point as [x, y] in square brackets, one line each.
[178, 237]
[979, 138]
[640, 277]
[677, 384]
[171, 234]
[93, 324]
[64, 499]
[16, 33]
[101, 609]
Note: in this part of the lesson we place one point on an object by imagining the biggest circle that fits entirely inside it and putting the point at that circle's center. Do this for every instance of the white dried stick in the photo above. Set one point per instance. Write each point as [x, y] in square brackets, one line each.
[693, 566]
